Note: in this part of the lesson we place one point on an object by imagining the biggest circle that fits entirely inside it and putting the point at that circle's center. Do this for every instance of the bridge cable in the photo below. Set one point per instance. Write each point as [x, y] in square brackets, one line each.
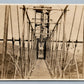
[23, 44]
[68, 44]
[13, 42]
[76, 43]
[19, 53]
[76, 46]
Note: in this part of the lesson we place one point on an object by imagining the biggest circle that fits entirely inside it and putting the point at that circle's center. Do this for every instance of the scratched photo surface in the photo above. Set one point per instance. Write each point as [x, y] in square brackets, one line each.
[42, 42]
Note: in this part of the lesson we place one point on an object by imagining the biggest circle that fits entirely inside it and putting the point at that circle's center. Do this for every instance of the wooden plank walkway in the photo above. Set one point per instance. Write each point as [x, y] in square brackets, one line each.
[40, 71]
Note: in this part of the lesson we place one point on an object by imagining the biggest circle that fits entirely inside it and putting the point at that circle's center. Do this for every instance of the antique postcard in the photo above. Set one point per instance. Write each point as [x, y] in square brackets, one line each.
[42, 42]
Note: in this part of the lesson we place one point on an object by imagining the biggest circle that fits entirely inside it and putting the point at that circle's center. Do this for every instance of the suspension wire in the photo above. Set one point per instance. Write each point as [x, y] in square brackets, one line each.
[28, 35]
[18, 22]
[55, 67]
[73, 22]
[48, 47]
[61, 50]
[76, 46]
[12, 38]
[11, 23]
[30, 45]
[52, 63]
[59, 32]
[76, 43]
[70, 33]
[23, 44]
[57, 45]
[12, 32]
[68, 45]
[58, 60]
[19, 54]
[32, 31]
[26, 62]
[6, 20]
[78, 32]
[63, 47]
[3, 58]
[27, 58]
[19, 33]
[59, 19]
[49, 50]
[60, 63]
[53, 52]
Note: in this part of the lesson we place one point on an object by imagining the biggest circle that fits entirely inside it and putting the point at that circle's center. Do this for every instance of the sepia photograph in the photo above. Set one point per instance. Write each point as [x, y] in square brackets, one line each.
[42, 42]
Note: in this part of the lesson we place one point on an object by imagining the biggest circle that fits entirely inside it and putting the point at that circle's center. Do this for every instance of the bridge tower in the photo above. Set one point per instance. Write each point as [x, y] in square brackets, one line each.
[42, 19]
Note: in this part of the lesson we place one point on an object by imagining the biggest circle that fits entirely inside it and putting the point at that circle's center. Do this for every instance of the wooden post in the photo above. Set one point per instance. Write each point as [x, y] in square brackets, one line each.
[5, 40]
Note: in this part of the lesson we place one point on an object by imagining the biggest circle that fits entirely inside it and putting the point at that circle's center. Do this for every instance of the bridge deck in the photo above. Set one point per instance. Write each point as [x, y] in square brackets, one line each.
[40, 71]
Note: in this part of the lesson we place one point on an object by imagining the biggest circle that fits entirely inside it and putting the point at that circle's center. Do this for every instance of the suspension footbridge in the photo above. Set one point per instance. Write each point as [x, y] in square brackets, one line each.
[42, 42]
